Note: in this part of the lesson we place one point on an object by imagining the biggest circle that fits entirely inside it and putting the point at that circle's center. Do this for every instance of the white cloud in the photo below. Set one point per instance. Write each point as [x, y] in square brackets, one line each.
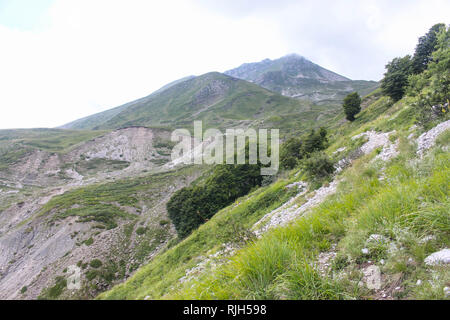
[92, 55]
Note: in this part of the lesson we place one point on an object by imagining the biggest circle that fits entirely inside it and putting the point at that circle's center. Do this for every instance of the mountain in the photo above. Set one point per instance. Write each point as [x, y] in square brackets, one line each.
[291, 65]
[219, 100]
[93, 120]
[96, 188]
[297, 77]
[254, 94]
[371, 230]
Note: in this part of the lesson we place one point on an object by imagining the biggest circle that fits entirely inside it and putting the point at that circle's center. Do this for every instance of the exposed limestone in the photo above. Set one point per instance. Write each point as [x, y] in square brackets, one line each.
[428, 139]
[372, 277]
[291, 211]
[439, 257]
[376, 140]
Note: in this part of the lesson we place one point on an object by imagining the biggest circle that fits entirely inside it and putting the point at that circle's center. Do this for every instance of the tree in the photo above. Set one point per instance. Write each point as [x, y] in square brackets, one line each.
[190, 207]
[395, 79]
[431, 88]
[424, 49]
[295, 149]
[352, 105]
[290, 153]
[318, 166]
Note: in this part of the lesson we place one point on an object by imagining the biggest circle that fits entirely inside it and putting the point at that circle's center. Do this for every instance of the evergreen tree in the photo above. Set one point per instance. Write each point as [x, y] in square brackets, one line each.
[352, 105]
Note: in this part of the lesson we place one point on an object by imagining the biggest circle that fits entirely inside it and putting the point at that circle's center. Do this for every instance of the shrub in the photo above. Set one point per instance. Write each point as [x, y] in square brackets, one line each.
[89, 241]
[91, 274]
[141, 230]
[190, 207]
[55, 291]
[295, 149]
[96, 263]
[290, 153]
[163, 222]
[318, 166]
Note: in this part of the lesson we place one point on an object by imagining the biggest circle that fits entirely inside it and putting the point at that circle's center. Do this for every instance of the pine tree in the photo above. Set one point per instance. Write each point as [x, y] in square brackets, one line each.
[352, 105]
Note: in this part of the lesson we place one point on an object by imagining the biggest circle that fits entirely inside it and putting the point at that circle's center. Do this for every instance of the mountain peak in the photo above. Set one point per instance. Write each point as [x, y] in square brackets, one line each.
[293, 66]
[295, 76]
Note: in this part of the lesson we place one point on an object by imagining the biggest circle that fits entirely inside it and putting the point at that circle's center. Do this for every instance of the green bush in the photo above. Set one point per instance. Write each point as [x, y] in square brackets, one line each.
[89, 241]
[141, 230]
[96, 263]
[91, 274]
[290, 153]
[55, 291]
[190, 207]
[295, 149]
[318, 166]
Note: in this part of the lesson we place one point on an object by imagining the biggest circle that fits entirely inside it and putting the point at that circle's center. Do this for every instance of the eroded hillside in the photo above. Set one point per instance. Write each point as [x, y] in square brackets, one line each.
[102, 198]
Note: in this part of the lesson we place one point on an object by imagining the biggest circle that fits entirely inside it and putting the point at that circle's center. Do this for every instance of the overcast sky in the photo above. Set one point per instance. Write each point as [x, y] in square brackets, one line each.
[61, 60]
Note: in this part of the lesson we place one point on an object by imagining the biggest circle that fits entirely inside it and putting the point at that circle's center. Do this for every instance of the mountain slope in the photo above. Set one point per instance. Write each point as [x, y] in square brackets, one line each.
[297, 77]
[69, 196]
[219, 100]
[367, 234]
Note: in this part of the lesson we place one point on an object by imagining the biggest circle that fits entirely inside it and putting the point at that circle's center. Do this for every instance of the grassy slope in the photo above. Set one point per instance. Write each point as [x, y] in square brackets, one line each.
[15, 144]
[410, 203]
[102, 202]
[52, 140]
[198, 99]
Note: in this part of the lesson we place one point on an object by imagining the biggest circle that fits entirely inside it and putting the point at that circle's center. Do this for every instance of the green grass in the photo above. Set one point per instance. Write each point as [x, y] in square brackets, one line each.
[413, 203]
[235, 101]
[55, 291]
[410, 203]
[164, 270]
[52, 140]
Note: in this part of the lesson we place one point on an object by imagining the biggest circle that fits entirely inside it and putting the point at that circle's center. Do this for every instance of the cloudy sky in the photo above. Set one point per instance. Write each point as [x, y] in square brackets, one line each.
[64, 59]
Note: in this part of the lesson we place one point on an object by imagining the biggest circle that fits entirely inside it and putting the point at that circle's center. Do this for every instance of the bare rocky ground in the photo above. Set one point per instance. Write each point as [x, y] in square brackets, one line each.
[33, 251]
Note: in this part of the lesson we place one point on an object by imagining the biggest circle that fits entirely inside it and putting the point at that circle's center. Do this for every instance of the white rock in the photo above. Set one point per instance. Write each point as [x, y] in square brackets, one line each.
[427, 238]
[340, 150]
[427, 139]
[439, 257]
[372, 277]
[447, 292]
[377, 238]
[298, 184]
